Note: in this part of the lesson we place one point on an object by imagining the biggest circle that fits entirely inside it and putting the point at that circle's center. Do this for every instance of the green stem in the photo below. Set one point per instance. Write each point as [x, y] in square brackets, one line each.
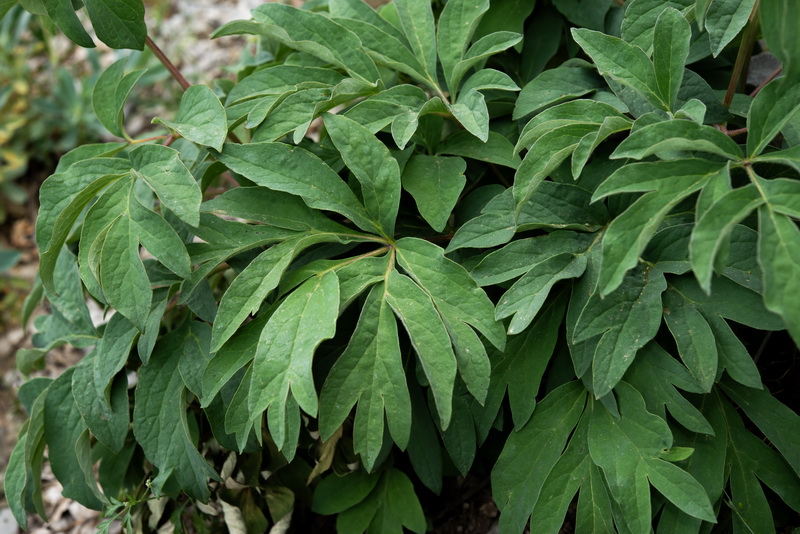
[743, 57]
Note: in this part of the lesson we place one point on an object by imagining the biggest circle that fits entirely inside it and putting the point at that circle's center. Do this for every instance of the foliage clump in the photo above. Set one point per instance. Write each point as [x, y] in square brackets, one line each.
[537, 239]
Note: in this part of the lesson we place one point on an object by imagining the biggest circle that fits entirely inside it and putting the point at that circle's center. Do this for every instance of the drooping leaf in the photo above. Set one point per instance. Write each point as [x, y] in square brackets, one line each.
[370, 373]
[255, 282]
[282, 364]
[110, 93]
[625, 319]
[450, 286]
[160, 421]
[62, 13]
[530, 454]
[435, 182]
[60, 409]
[628, 451]
[415, 309]
[724, 19]
[779, 257]
[118, 23]
[658, 376]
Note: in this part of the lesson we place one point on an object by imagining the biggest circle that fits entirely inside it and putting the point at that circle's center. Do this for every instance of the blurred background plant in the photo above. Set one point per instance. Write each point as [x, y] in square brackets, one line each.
[43, 111]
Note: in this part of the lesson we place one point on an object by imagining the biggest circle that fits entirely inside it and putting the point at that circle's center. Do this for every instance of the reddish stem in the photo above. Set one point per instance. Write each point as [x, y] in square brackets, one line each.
[162, 57]
[775, 74]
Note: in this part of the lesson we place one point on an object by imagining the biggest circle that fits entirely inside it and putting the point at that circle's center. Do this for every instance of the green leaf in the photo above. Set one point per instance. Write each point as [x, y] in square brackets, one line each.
[570, 472]
[118, 23]
[628, 234]
[724, 19]
[782, 40]
[110, 93]
[385, 48]
[269, 207]
[628, 451]
[160, 239]
[771, 109]
[521, 366]
[293, 170]
[391, 505]
[638, 26]
[693, 337]
[63, 226]
[377, 111]
[416, 18]
[14, 482]
[485, 46]
[576, 113]
[62, 13]
[521, 255]
[201, 118]
[436, 183]
[658, 376]
[452, 289]
[121, 273]
[789, 157]
[317, 35]
[457, 23]
[364, 12]
[486, 79]
[255, 282]
[546, 154]
[625, 63]
[63, 427]
[776, 420]
[160, 421]
[779, 258]
[554, 86]
[414, 308]
[163, 170]
[111, 356]
[626, 319]
[109, 424]
[285, 350]
[715, 226]
[369, 372]
[589, 15]
[497, 149]
[281, 79]
[670, 50]
[372, 164]
[335, 493]
[677, 135]
[472, 113]
[749, 457]
[530, 454]
[527, 296]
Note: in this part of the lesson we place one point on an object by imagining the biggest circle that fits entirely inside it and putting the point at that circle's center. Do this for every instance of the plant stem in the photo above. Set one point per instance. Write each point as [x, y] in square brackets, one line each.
[162, 57]
[743, 57]
[775, 74]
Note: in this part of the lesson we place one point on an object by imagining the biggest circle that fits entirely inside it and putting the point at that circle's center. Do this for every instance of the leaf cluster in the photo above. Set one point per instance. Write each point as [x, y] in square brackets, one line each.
[446, 236]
